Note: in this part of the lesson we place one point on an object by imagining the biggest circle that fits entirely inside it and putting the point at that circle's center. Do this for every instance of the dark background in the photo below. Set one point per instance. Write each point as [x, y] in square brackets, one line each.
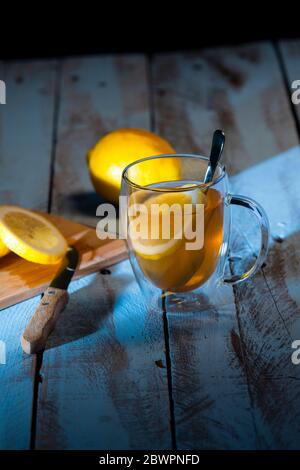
[49, 30]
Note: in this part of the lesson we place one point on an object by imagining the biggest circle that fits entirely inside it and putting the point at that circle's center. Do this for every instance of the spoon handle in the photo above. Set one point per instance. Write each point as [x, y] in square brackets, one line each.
[217, 146]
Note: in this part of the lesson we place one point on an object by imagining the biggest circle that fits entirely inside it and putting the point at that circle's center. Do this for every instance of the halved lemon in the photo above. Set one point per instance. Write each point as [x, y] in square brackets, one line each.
[3, 249]
[31, 236]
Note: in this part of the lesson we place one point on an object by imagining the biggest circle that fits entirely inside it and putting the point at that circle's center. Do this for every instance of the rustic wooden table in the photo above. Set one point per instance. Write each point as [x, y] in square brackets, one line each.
[113, 375]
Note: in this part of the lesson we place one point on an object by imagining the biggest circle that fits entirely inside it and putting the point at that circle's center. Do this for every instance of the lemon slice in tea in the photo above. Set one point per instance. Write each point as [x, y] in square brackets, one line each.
[31, 236]
[143, 242]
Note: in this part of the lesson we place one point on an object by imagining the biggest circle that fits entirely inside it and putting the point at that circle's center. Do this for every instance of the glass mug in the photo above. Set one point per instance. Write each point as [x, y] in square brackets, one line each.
[172, 263]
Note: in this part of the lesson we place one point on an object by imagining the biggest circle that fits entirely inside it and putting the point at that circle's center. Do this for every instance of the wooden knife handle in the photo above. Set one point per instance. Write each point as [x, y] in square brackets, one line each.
[43, 321]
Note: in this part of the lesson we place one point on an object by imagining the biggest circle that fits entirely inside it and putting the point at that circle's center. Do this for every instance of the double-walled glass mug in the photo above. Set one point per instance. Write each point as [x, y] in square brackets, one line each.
[178, 231]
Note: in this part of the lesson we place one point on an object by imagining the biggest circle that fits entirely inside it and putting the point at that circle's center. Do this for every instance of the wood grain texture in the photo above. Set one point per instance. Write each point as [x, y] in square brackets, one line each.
[97, 95]
[16, 378]
[232, 88]
[20, 279]
[26, 127]
[210, 390]
[104, 370]
[102, 387]
[241, 91]
[26, 124]
[290, 52]
[268, 305]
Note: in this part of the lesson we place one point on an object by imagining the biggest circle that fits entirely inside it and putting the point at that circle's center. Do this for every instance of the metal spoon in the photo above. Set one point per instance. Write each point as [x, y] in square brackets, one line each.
[217, 146]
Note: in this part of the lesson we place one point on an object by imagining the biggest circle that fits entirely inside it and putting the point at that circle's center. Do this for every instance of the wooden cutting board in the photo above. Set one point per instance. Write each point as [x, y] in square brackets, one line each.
[20, 279]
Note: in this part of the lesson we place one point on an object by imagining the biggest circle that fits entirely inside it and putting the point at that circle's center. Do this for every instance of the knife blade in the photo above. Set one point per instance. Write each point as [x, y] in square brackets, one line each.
[53, 301]
[66, 270]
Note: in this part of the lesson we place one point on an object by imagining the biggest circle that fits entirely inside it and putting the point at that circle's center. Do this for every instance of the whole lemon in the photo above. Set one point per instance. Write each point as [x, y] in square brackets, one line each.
[108, 158]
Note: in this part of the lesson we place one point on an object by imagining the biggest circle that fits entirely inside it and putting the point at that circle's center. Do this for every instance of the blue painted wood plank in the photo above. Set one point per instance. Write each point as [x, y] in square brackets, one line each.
[269, 305]
[102, 387]
[16, 378]
[223, 396]
[26, 131]
[98, 94]
[290, 52]
[102, 361]
[26, 128]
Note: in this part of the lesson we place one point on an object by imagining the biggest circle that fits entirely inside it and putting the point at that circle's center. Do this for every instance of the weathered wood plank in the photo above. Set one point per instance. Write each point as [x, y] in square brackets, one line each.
[16, 378]
[290, 52]
[98, 94]
[26, 123]
[102, 387]
[240, 90]
[267, 335]
[267, 345]
[26, 127]
[235, 88]
[210, 391]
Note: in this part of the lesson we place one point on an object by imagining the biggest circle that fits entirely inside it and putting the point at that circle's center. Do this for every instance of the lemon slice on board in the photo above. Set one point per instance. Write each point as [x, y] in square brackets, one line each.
[3, 249]
[31, 236]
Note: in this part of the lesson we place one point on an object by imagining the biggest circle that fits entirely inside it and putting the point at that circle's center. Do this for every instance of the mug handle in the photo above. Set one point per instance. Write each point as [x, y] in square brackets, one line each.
[252, 205]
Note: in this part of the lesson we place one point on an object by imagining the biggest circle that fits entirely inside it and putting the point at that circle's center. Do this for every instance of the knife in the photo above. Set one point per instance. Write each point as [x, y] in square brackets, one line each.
[53, 301]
